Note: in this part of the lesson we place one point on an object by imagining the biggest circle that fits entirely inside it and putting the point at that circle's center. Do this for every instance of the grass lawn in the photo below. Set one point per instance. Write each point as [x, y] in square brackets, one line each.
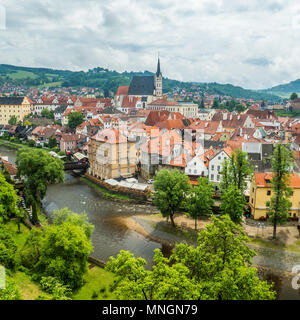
[96, 286]
[29, 290]
[20, 74]
[20, 238]
[274, 244]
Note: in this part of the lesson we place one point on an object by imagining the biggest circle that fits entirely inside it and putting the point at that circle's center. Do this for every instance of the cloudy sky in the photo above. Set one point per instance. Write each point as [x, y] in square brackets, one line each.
[253, 44]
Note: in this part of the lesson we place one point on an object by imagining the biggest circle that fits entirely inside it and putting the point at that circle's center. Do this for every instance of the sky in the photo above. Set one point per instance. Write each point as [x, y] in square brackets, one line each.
[254, 44]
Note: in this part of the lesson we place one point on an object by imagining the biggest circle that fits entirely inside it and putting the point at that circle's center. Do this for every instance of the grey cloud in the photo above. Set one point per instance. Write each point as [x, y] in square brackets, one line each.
[258, 61]
[203, 41]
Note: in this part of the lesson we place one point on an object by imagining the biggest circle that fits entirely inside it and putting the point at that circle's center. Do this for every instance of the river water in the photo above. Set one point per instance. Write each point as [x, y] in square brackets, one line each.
[110, 235]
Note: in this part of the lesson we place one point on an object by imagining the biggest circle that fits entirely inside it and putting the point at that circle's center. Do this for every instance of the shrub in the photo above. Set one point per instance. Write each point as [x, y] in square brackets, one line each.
[8, 249]
[52, 286]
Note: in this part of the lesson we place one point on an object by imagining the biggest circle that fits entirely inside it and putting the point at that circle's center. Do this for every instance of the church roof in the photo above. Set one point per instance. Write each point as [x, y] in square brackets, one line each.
[11, 100]
[141, 85]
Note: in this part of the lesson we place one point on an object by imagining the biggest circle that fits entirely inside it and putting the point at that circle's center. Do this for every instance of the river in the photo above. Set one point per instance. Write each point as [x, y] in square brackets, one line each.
[110, 235]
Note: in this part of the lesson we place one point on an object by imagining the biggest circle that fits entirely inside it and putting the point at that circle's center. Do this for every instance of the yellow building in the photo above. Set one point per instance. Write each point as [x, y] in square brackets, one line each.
[111, 155]
[14, 106]
[261, 192]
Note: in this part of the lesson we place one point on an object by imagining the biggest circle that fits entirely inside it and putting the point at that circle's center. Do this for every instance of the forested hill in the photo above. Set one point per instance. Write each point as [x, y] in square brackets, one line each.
[285, 90]
[108, 79]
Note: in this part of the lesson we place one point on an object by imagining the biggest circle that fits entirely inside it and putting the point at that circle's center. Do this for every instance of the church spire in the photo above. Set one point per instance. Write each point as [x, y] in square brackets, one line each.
[158, 72]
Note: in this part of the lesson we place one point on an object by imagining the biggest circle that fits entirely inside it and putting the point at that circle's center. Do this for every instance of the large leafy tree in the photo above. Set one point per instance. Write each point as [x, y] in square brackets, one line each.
[39, 169]
[293, 96]
[8, 248]
[170, 190]
[233, 203]
[279, 205]
[237, 170]
[219, 267]
[75, 118]
[200, 200]
[12, 120]
[67, 216]
[8, 200]
[52, 142]
[64, 253]
[46, 113]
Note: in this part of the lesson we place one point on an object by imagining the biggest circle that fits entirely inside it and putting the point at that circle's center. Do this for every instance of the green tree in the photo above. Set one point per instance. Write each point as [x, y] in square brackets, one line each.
[64, 254]
[52, 142]
[31, 251]
[46, 113]
[279, 205]
[170, 189]
[225, 175]
[237, 171]
[200, 200]
[233, 203]
[215, 104]
[219, 267]
[13, 120]
[75, 118]
[67, 216]
[11, 292]
[293, 96]
[39, 169]
[8, 249]
[31, 143]
[8, 200]
[202, 106]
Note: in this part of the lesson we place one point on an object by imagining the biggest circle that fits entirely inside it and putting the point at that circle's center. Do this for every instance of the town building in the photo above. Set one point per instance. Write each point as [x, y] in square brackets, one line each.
[261, 192]
[111, 155]
[14, 106]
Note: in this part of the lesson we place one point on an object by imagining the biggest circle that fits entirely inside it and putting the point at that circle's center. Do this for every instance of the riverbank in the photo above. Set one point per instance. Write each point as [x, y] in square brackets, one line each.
[287, 239]
[113, 196]
[17, 146]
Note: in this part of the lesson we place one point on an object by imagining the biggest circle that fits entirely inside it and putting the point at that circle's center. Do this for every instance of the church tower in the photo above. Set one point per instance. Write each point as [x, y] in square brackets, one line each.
[158, 81]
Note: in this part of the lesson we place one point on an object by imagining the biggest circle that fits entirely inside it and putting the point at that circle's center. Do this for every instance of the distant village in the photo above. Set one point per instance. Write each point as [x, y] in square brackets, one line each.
[139, 131]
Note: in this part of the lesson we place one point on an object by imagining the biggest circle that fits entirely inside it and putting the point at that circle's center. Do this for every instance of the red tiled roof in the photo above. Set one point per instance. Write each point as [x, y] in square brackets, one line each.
[109, 136]
[262, 178]
[122, 90]
[12, 170]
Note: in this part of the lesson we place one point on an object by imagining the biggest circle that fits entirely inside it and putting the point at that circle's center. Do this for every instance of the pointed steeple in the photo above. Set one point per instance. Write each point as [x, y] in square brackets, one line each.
[158, 72]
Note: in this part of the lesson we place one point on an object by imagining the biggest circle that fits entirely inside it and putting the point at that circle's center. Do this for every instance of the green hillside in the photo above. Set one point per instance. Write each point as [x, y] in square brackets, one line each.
[105, 79]
[285, 90]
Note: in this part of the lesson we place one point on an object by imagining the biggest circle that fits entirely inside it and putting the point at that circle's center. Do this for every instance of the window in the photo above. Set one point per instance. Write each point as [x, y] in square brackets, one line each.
[212, 167]
[268, 192]
[252, 200]
[218, 177]
[212, 177]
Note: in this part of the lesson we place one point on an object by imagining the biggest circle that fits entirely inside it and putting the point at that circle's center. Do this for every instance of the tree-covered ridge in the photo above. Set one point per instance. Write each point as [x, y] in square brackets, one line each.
[109, 79]
[285, 90]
